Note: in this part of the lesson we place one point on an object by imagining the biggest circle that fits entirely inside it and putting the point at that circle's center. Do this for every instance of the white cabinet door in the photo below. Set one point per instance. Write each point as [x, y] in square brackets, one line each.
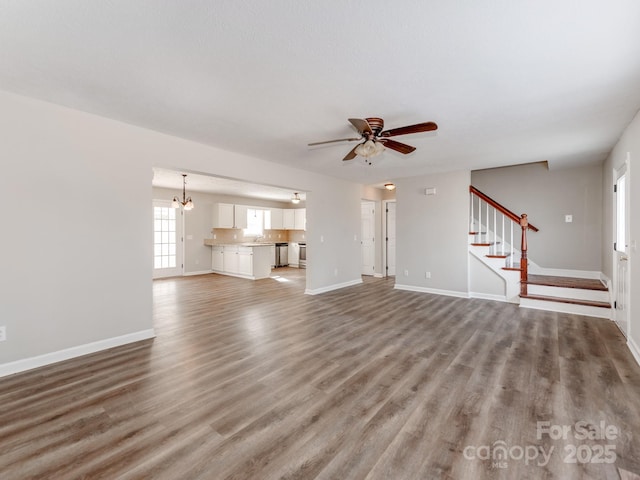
[231, 259]
[217, 259]
[300, 219]
[294, 254]
[288, 222]
[240, 216]
[245, 261]
[277, 220]
[223, 215]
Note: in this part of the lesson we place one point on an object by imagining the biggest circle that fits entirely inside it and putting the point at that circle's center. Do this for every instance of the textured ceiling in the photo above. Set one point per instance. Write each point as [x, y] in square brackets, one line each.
[507, 81]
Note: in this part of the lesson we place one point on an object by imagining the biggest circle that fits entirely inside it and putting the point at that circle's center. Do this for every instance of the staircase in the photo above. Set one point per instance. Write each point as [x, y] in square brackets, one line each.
[493, 233]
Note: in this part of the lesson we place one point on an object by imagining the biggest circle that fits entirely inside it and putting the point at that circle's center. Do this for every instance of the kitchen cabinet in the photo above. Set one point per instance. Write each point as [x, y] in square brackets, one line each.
[217, 259]
[245, 261]
[277, 219]
[288, 219]
[240, 216]
[300, 219]
[230, 258]
[294, 254]
[223, 215]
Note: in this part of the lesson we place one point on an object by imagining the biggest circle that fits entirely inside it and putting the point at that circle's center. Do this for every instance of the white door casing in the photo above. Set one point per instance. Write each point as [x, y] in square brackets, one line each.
[367, 237]
[621, 273]
[390, 233]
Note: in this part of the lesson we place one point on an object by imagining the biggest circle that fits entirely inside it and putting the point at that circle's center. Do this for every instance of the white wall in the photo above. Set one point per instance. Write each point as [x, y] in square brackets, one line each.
[629, 144]
[432, 232]
[484, 282]
[77, 248]
[546, 196]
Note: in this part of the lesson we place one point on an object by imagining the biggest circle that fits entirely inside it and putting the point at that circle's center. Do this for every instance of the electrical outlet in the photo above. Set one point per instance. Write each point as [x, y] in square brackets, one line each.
[427, 275]
[335, 272]
[568, 218]
[406, 273]
[3, 333]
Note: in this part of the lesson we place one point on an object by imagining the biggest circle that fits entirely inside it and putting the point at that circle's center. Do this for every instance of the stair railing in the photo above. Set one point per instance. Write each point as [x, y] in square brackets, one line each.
[482, 212]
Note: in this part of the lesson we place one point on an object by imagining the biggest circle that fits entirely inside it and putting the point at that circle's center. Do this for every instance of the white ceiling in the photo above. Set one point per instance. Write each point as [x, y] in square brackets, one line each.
[507, 81]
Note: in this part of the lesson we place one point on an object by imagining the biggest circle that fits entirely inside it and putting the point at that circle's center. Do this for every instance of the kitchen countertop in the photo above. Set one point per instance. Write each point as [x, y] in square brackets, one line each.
[212, 243]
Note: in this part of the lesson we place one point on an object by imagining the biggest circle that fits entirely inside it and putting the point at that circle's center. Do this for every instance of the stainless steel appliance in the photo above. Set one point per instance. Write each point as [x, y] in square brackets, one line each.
[302, 260]
[282, 254]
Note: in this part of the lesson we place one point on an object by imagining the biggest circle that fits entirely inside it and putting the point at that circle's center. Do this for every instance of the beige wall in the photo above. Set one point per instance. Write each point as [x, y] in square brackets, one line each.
[546, 196]
[432, 232]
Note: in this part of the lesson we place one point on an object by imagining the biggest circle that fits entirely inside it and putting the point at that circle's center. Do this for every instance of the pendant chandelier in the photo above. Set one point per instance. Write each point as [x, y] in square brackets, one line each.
[186, 203]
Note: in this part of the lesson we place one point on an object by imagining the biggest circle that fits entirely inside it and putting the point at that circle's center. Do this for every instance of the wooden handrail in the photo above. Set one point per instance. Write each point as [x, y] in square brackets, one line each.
[505, 211]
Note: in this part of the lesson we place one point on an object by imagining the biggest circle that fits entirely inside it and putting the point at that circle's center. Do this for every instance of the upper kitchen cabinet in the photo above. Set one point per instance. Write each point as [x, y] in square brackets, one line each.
[223, 215]
[300, 219]
[288, 219]
[277, 219]
[240, 216]
[295, 219]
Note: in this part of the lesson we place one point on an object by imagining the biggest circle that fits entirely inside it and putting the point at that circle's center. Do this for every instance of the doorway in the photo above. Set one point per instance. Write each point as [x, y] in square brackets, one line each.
[167, 240]
[367, 237]
[621, 274]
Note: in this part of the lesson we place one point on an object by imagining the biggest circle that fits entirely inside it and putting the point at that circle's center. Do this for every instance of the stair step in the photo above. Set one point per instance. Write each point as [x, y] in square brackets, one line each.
[567, 282]
[497, 255]
[477, 233]
[572, 301]
[512, 269]
[485, 244]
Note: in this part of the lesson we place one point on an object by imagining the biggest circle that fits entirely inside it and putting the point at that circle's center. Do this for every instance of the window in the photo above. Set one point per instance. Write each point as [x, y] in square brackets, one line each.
[255, 222]
[164, 237]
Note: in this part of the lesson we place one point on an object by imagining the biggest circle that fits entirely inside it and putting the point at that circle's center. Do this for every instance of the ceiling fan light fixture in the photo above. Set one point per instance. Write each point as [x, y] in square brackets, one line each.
[296, 198]
[369, 149]
[390, 186]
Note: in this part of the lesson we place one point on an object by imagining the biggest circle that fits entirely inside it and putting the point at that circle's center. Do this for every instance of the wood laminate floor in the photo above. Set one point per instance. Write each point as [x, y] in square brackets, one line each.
[255, 380]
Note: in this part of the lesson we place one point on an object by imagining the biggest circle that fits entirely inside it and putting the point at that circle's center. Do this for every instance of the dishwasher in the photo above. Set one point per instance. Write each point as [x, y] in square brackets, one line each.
[302, 261]
[282, 254]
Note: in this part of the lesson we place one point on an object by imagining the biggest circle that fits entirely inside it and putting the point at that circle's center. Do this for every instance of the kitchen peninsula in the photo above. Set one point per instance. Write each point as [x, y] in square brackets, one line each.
[250, 260]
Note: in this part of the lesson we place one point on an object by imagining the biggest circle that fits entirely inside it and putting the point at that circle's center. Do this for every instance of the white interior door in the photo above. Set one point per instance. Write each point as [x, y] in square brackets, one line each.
[167, 239]
[368, 219]
[621, 249]
[391, 238]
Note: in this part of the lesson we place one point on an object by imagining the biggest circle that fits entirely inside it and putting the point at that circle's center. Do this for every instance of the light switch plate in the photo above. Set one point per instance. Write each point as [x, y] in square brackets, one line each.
[568, 218]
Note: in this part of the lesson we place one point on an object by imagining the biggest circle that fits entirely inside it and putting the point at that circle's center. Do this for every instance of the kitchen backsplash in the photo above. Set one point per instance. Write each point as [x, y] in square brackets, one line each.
[226, 235]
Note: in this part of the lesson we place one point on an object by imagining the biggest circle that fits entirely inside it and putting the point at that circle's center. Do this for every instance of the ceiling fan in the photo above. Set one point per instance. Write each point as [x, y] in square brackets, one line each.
[375, 139]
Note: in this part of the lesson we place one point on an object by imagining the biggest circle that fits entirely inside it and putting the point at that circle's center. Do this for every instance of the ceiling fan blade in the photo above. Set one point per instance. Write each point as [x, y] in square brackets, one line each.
[397, 146]
[420, 127]
[351, 155]
[361, 125]
[333, 141]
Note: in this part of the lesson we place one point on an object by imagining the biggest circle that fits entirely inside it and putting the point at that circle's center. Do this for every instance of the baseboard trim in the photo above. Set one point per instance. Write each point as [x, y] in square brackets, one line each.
[202, 272]
[488, 296]
[72, 352]
[635, 351]
[435, 291]
[329, 288]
